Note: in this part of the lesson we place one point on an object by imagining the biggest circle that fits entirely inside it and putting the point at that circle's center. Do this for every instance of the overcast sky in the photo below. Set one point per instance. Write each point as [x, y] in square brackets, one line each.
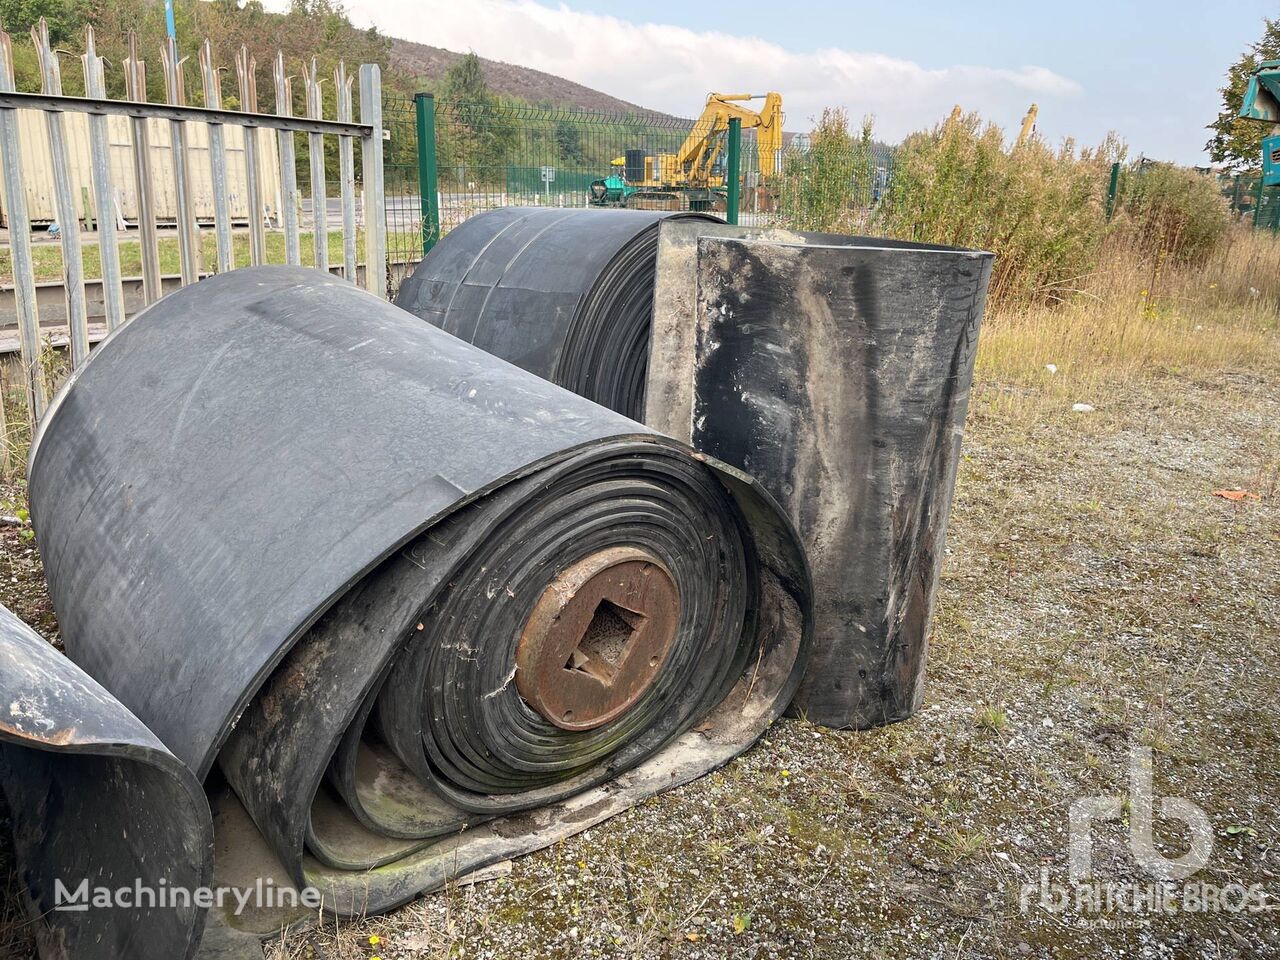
[1150, 71]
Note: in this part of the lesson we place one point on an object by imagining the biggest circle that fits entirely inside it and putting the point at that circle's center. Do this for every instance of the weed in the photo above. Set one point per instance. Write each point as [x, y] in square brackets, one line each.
[991, 718]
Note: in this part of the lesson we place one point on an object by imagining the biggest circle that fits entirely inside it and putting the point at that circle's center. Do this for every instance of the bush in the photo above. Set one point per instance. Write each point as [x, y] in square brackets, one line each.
[1039, 210]
[830, 185]
[1170, 211]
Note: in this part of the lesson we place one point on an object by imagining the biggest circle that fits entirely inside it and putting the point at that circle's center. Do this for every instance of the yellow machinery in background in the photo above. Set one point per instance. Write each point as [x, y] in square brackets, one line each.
[1025, 132]
[1028, 126]
[692, 178]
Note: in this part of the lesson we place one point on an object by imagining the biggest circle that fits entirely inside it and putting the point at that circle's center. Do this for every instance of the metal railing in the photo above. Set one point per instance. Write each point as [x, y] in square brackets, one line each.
[185, 123]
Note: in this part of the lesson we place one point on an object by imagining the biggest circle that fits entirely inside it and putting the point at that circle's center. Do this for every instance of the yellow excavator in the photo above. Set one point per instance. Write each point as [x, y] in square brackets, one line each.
[692, 178]
[1027, 130]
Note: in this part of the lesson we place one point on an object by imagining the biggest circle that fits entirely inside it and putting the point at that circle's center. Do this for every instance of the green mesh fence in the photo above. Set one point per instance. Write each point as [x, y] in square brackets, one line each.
[493, 154]
[400, 184]
[1251, 201]
[822, 184]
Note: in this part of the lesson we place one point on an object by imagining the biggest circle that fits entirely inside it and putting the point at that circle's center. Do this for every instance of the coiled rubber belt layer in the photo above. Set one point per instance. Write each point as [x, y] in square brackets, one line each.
[404, 608]
[835, 369]
[565, 294]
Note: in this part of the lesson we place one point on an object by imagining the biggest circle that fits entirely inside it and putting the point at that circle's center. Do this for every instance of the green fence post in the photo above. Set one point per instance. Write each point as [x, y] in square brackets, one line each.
[1257, 203]
[1111, 189]
[428, 177]
[733, 172]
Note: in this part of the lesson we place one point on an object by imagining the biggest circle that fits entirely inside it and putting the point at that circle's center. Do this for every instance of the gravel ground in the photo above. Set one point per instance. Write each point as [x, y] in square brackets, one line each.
[1097, 596]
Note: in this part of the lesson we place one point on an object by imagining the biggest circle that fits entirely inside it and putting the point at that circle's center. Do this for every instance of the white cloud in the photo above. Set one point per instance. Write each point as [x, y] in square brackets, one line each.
[672, 68]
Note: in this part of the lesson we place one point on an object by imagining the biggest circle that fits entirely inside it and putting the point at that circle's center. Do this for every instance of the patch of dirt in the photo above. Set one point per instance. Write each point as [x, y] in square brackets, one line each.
[22, 587]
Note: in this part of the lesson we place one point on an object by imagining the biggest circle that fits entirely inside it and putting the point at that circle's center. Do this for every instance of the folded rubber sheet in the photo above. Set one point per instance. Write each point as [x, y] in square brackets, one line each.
[401, 608]
[834, 369]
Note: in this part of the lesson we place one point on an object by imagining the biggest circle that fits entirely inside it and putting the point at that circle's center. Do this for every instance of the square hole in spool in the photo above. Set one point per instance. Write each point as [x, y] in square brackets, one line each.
[603, 646]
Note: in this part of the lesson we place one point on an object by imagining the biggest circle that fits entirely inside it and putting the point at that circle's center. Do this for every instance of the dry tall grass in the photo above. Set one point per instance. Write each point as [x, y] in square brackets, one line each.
[1140, 315]
[1042, 210]
[1171, 210]
[1168, 286]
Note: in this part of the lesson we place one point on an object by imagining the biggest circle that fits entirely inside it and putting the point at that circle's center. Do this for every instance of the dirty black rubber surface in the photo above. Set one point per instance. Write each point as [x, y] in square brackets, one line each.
[839, 375]
[565, 294]
[297, 533]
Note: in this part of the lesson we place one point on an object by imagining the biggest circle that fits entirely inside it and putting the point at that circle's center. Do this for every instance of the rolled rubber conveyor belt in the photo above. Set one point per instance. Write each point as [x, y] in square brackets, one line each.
[565, 294]
[401, 607]
[835, 369]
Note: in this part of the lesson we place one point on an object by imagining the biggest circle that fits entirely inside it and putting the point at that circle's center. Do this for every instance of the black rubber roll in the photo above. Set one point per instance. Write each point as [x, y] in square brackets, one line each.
[565, 294]
[835, 369]
[400, 604]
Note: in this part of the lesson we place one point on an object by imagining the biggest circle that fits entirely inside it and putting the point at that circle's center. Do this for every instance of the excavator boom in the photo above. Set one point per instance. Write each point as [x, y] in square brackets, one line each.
[688, 176]
[698, 153]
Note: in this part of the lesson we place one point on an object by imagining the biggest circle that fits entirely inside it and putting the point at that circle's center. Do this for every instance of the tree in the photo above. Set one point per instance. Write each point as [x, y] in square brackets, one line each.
[1236, 142]
[476, 132]
[465, 81]
[568, 136]
[63, 17]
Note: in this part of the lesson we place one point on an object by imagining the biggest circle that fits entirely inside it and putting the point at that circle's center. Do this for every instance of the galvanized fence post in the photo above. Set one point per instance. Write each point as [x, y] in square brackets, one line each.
[428, 175]
[288, 172]
[247, 83]
[733, 169]
[375, 223]
[95, 86]
[24, 282]
[212, 81]
[346, 173]
[64, 202]
[135, 86]
[315, 154]
[188, 231]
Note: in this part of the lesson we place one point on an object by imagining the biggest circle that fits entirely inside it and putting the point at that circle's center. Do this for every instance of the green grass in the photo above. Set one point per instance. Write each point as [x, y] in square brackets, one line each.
[48, 256]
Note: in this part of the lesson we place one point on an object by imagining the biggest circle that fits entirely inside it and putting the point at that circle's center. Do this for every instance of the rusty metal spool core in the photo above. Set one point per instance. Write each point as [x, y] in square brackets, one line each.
[597, 638]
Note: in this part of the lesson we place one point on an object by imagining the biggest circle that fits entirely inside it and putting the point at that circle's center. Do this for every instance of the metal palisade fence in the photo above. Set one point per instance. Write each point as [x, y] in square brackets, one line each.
[167, 171]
